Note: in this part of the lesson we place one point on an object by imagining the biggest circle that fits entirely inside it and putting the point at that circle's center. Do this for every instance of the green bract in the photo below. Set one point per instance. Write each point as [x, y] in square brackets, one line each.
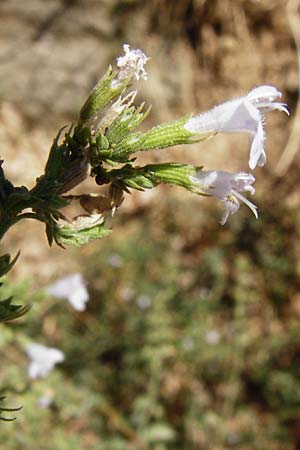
[151, 175]
[161, 136]
[102, 94]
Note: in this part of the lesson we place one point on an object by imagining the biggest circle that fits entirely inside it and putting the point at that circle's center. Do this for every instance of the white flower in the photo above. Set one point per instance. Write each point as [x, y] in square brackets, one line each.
[144, 302]
[44, 401]
[71, 287]
[42, 359]
[132, 62]
[242, 115]
[227, 187]
[187, 343]
[115, 260]
[212, 337]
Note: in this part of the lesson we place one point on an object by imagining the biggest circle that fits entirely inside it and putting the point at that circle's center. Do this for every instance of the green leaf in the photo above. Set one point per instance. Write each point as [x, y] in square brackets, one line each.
[11, 312]
[58, 156]
[68, 236]
[6, 263]
[66, 165]
[50, 232]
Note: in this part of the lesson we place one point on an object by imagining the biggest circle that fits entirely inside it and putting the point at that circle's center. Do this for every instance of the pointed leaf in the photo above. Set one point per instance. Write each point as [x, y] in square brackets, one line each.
[6, 263]
[11, 312]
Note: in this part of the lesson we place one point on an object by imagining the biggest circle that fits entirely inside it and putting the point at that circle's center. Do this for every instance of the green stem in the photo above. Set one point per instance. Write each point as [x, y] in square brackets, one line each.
[5, 225]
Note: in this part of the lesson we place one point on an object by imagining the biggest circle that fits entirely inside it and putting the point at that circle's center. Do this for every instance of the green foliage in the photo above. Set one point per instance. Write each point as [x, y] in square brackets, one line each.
[126, 121]
[103, 135]
[4, 410]
[118, 143]
[151, 175]
[64, 169]
[70, 236]
[188, 342]
[102, 94]
[161, 136]
[9, 311]
[6, 263]
[191, 339]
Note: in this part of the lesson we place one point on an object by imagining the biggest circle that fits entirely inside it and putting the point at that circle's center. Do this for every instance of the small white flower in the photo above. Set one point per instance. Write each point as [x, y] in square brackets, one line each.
[227, 187]
[144, 302]
[115, 260]
[242, 115]
[187, 343]
[212, 337]
[44, 401]
[132, 62]
[72, 287]
[42, 359]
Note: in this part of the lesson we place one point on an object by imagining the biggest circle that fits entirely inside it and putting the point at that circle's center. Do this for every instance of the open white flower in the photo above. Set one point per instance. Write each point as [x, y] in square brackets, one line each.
[227, 187]
[132, 62]
[242, 115]
[42, 359]
[72, 287]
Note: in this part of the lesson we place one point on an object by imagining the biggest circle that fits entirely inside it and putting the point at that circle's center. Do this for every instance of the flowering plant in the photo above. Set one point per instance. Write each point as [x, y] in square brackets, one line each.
[102, 145]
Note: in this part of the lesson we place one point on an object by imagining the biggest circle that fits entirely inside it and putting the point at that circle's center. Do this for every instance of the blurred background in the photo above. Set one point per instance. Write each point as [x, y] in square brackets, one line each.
[191, 338]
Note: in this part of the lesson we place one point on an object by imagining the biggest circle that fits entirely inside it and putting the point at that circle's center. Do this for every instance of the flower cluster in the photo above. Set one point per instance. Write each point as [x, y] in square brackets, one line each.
[240, 115]
[132, 62]
[103, 144]
[108, 143]
[244, 115]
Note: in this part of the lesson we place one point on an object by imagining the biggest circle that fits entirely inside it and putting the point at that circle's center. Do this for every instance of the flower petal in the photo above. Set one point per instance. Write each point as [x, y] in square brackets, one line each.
[247, 202]
[263, 93]
[72, 287]
[257, 151]
[231, 205]
[214, 182]
[42, 359]
[133, 61]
